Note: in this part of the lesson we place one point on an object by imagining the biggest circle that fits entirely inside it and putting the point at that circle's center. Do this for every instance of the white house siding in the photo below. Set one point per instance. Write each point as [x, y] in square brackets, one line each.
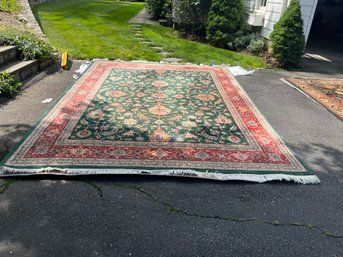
[275, 8]
[308, 7]
[250, 5]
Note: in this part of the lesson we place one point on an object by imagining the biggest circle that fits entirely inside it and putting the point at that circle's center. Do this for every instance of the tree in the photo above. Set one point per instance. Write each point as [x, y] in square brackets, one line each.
[225, 19]
[288, 41]
[155, 8]
[190, 15]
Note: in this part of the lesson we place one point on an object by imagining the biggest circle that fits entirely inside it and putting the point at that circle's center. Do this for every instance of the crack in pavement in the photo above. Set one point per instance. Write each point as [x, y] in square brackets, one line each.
[99, 190]
[173, 209]
[6, 185]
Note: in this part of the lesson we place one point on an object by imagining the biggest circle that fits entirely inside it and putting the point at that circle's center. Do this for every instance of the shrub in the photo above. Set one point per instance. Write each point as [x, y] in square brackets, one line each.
[288, 41]
[256, 45]
[167, 8]
[155, 8]
[8, 85]
[253, 42]
[191, 15]
[225, 19]
[242, 41]
[28, 44]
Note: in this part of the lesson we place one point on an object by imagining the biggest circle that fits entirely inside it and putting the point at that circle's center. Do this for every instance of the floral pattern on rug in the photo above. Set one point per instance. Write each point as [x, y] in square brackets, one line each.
[135, 118]
[169, 106]
[328, 92]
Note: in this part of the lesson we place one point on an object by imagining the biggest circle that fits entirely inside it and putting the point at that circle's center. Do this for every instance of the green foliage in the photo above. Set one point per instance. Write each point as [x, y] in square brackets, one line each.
[225, 19]
[256, 45]
[28, 44]
[159, 8]
[242, 41]
[167, 8]
[252, 42]
[155, 8]
[288, 39]
[191, 15]
[8, 85]
[10, 6]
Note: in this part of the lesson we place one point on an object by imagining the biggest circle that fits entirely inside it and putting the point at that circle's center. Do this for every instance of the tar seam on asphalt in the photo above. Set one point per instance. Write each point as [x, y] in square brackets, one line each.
[173, 209]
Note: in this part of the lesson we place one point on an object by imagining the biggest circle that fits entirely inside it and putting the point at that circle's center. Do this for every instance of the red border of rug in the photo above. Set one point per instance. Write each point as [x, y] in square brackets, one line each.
[271, 160]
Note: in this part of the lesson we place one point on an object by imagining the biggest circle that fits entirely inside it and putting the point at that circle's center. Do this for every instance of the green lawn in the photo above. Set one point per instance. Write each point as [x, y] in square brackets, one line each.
[99, 29]
[198, 53]
[10, 6]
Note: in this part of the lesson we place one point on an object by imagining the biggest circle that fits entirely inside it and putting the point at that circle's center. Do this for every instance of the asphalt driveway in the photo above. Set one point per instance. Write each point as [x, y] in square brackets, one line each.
[163, 216]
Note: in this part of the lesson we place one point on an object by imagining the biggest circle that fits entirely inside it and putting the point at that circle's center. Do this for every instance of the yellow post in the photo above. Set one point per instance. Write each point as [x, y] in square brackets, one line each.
[64, 63]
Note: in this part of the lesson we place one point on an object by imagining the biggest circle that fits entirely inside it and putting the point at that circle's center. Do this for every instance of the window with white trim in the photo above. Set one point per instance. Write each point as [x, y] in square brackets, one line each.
[263, 3]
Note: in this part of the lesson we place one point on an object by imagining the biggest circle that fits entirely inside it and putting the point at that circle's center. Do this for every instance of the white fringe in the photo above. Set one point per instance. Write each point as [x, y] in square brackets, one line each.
[260, 178]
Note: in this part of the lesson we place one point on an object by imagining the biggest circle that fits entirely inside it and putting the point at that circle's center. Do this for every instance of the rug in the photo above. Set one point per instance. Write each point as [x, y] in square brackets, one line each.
[328, 92]
[157, 119]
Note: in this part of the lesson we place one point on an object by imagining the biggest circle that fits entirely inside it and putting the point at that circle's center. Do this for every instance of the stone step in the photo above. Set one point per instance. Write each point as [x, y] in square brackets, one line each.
[165, 53]
[157, 47]
[172, 60]
[8, 54]
[22, 70]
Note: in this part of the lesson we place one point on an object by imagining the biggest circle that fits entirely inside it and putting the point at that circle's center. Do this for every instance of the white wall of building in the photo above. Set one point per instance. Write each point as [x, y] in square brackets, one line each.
[308, 8]
[275, 9]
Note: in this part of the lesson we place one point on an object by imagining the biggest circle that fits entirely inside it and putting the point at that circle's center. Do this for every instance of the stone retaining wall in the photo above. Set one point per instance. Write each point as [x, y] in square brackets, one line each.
[27, 15]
